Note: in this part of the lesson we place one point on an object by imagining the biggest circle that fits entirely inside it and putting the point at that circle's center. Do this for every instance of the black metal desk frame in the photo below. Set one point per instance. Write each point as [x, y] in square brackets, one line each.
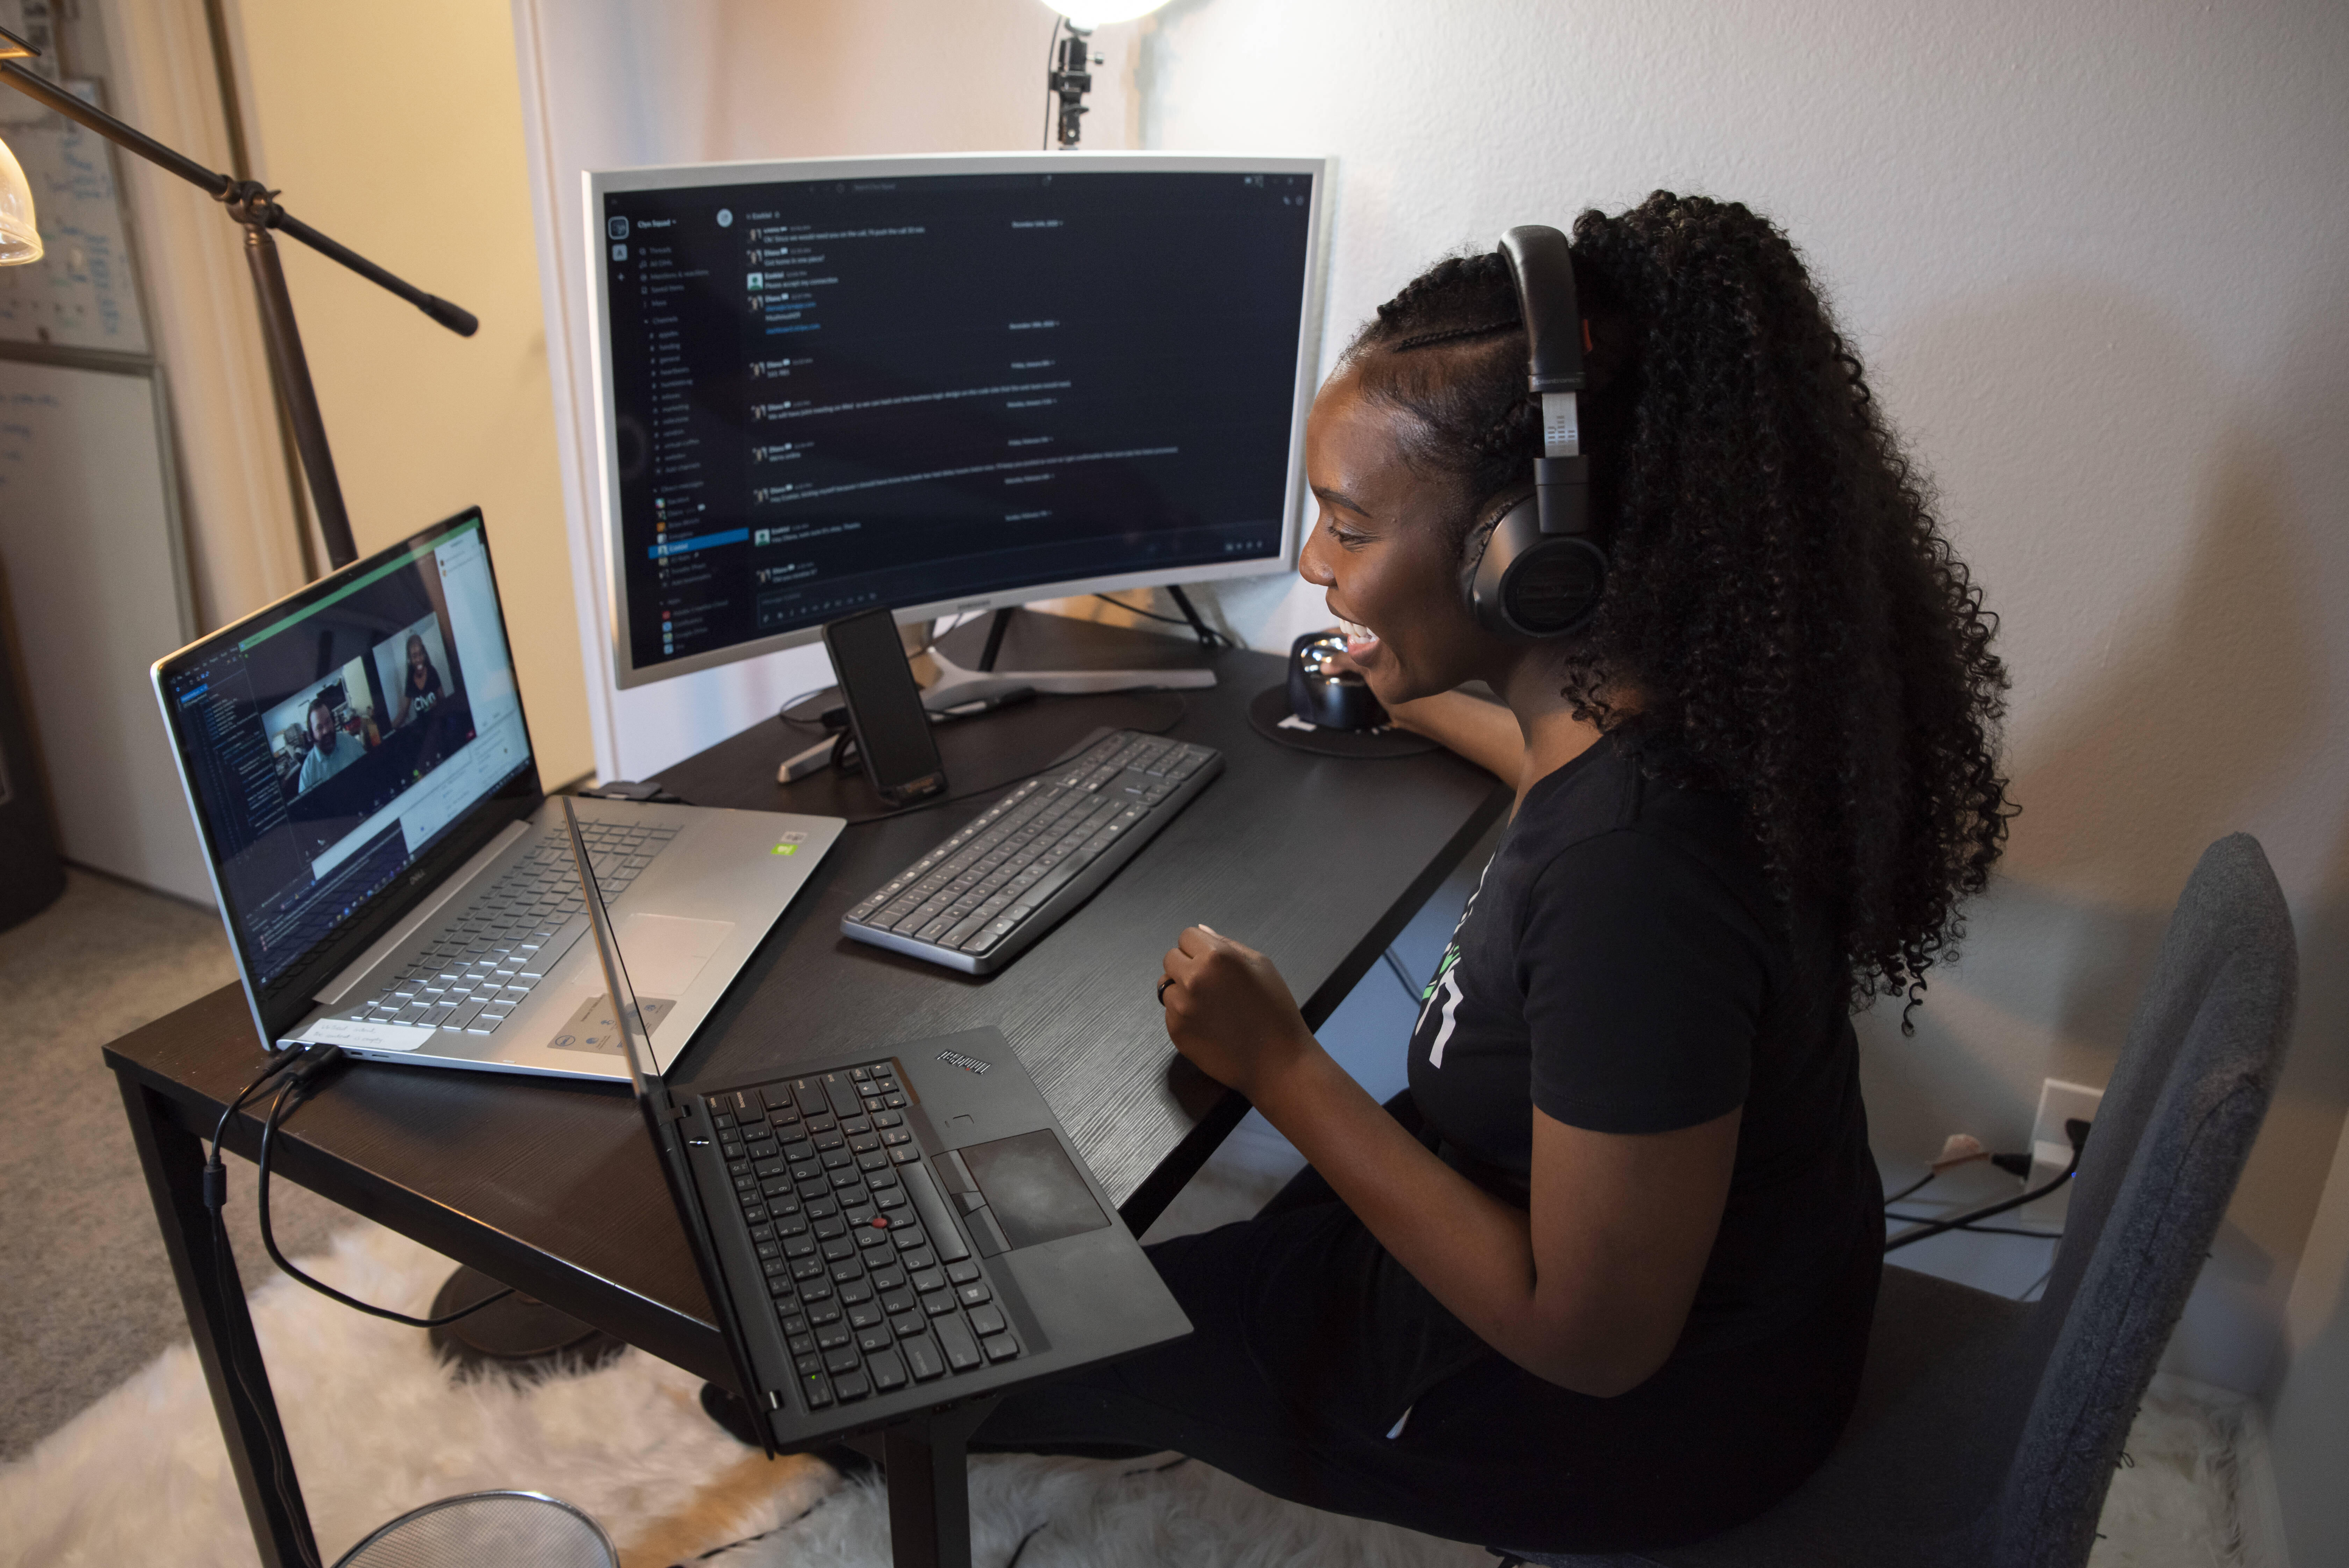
[1320, 861]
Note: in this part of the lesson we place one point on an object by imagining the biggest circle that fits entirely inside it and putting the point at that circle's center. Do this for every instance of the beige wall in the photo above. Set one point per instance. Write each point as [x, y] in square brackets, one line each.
[397, 130]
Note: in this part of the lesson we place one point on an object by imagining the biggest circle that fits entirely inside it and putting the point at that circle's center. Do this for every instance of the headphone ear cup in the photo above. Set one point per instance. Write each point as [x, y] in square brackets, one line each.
[1523, 585]
[1480, 595]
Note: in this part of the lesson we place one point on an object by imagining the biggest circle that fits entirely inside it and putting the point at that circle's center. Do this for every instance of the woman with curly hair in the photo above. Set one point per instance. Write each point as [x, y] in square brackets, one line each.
[1602, 1278]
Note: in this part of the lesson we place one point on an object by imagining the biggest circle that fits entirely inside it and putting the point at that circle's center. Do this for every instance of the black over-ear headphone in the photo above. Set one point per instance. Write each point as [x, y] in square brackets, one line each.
[1536, 566]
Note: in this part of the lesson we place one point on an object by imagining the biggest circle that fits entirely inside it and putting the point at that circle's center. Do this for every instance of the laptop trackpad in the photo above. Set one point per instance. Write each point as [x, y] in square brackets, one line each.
[1035, 1192]
[663, 954]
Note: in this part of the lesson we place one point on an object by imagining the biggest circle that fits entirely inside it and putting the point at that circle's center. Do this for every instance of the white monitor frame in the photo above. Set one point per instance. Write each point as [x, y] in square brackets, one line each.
[598, 183]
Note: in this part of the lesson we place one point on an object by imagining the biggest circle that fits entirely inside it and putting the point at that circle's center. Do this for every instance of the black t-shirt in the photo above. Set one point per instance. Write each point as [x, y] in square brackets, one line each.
[1625, 967]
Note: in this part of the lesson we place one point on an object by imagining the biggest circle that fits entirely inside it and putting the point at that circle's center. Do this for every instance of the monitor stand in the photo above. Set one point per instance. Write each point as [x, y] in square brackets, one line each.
[957, 687]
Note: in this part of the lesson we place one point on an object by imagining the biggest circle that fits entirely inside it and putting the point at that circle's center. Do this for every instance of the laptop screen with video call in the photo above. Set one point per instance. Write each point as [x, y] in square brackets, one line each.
[333, 740]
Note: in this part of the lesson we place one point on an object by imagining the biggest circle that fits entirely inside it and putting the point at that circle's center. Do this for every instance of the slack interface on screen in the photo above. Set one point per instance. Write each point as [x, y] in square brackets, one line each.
[830, 394]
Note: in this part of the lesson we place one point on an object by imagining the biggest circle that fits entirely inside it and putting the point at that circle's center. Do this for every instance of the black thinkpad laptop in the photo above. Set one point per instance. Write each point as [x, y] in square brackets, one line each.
[883, 1235]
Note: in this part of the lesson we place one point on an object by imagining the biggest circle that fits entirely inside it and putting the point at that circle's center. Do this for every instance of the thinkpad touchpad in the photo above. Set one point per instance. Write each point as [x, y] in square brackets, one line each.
[1033, 1188]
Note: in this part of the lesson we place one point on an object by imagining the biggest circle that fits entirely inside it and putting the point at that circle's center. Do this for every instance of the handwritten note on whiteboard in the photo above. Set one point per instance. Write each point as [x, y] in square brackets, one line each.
[81, 294]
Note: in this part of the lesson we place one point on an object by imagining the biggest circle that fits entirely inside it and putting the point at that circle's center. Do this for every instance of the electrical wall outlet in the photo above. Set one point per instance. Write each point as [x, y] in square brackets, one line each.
[2051, 1147]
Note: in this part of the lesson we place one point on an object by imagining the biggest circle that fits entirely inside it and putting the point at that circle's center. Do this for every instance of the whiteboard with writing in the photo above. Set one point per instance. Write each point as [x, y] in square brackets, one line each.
[82, 293]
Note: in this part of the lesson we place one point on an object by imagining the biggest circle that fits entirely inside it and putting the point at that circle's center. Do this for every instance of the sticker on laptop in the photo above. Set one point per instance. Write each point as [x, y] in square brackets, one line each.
[367, 1035]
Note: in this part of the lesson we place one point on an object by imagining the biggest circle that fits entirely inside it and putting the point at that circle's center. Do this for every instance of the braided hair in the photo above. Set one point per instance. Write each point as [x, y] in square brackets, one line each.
[1797, 632]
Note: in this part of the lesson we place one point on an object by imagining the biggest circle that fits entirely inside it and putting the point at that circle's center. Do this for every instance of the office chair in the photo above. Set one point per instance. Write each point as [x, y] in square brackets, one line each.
[512, 1529]
[1988, 1429]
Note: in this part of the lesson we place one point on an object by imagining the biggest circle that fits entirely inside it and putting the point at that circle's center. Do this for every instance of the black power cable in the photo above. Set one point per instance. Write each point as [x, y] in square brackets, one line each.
[291, 1094]
[1209, 636]
[1919, 1185]
[2076, 1129]
[1402, 976]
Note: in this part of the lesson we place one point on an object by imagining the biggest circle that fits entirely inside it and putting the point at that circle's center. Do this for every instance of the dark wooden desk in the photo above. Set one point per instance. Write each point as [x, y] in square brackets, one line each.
[551, 1187]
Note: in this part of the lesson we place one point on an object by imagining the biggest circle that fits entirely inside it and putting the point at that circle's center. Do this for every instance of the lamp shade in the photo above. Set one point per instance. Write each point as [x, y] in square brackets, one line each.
[20, 242]
[1091, 14]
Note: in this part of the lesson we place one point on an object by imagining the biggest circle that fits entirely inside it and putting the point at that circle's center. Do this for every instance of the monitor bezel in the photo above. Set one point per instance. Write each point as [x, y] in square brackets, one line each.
[598, 183]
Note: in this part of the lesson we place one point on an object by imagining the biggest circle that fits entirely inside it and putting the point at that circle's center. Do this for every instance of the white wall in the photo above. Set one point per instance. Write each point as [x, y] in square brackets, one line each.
[2094, 255]
[424, 173]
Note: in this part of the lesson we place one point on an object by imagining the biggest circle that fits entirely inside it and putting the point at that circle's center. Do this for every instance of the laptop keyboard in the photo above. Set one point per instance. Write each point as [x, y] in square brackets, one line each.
[871, 1282]
[483, 964]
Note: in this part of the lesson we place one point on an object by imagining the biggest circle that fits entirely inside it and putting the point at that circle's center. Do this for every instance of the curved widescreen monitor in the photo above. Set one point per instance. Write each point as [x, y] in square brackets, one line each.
[942, 384]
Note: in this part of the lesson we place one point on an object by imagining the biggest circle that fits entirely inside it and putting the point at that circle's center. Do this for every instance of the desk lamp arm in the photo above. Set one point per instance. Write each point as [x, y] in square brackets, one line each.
[257, 210]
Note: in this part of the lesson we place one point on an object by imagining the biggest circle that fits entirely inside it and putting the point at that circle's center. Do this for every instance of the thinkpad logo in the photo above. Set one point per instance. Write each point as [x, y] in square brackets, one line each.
[968, 1064]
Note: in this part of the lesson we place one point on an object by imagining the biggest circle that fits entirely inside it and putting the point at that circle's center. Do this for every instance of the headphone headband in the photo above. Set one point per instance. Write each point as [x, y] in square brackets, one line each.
[1543, 269]
[1538, 569]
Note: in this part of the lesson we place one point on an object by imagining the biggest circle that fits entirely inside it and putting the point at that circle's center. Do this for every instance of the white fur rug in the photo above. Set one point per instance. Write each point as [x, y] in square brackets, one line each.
[376, 1428]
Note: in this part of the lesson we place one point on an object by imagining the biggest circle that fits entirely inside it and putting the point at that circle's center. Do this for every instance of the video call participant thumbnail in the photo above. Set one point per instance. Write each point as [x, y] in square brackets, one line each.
[421, 689]
[332, 748]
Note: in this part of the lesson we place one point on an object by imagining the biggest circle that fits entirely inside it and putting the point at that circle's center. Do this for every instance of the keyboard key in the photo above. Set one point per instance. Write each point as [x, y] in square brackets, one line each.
[817, 1389]
[962, 1272]
[905, 1324]
[1000, 1347]
[889, 1373]
[923, 1359]
[937, 1303]
[974, 1294]
[955, 1340]
[877, 1337]
[845, 1359]
[851, 1387]
[929, 1279]
[987, 1320]
[864, 1316]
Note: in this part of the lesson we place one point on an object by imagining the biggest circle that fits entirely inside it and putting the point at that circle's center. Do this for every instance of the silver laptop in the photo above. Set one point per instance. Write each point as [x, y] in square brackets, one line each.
[392, 879]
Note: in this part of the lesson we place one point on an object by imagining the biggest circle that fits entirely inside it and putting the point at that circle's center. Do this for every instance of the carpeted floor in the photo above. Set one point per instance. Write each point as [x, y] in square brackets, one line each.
[113, 1457]
[86, 1293]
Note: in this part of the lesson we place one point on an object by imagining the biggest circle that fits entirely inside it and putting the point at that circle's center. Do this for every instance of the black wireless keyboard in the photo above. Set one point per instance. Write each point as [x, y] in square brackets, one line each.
[978, 900]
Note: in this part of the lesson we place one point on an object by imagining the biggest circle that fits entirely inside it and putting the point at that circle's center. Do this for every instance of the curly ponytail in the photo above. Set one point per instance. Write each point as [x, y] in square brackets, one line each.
[1798, 630]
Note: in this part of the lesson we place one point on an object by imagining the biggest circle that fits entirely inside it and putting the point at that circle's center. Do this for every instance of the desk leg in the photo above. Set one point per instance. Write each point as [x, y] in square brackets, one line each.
[173, 1158]
[929, 1487]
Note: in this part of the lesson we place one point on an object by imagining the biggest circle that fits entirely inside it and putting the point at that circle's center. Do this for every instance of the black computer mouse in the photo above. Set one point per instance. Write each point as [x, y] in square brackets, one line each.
[1334, 699]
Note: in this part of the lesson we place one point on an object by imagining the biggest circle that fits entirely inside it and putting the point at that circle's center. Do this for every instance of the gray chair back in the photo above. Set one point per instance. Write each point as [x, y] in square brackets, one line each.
[1987, 1432]
[2179, 1115]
